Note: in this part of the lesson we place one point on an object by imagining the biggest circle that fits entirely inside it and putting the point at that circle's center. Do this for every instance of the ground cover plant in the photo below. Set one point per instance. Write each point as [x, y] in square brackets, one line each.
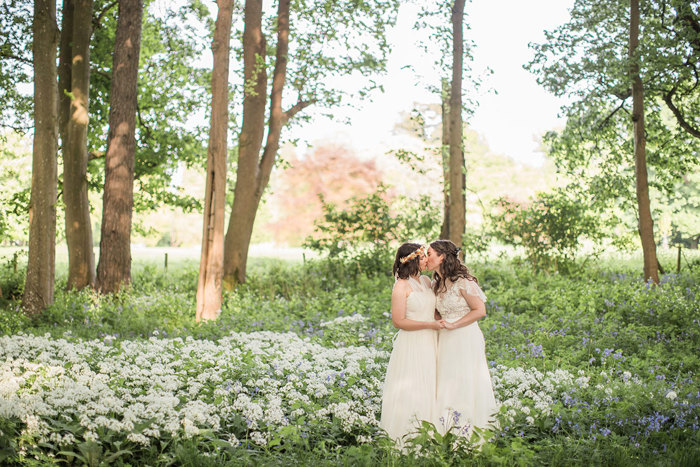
[595, 367]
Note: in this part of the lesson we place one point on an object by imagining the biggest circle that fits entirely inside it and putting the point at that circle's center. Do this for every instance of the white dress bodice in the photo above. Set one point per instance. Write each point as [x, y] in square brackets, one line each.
[451, 304]
[420, 304]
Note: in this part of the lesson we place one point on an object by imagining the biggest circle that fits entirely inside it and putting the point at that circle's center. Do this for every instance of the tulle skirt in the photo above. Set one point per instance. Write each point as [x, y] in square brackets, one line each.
[465, 396]
[409, 387]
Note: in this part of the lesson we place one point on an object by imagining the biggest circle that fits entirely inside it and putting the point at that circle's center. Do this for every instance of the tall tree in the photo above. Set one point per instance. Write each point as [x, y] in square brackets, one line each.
[588, 59]
[74, 81]
[457, 169]
[114, 269]
[251, 173]
[646, 224]
[211, 268]
[173, 86]
[331, 38]
[38, 288]
[442, 25]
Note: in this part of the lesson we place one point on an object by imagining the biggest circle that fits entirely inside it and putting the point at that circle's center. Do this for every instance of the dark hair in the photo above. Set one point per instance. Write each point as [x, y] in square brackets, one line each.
[452, 268]
[410, 267]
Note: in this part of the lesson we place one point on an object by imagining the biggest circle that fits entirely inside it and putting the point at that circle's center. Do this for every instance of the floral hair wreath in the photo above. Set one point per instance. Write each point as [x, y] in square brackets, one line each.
[422, 249]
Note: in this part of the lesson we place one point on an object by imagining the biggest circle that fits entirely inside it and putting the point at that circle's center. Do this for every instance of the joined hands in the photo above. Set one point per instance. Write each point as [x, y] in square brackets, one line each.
[442, 324]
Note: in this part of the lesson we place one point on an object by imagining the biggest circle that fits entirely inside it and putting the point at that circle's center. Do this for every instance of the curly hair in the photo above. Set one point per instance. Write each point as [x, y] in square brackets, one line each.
[451, 267]
[410, 267]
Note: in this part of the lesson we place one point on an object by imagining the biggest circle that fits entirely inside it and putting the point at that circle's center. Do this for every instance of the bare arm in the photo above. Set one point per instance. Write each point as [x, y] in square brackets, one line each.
[477, 311]
[398, 310]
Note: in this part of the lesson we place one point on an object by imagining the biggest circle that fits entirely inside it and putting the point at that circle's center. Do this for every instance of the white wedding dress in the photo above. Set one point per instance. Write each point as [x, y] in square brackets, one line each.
[465, 396]
[409, 387]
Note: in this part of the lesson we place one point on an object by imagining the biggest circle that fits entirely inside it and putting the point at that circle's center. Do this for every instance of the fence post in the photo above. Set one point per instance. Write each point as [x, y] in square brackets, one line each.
[678, 260]
[166, 261]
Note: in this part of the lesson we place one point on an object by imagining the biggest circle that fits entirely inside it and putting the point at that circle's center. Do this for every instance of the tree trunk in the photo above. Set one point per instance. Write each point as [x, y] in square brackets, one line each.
[81, 259]
[65, 55]
[39, 284]
[445, 153]
[211, 270]
[646, 223]
[457, 211]
[114, 270]
[253, 170]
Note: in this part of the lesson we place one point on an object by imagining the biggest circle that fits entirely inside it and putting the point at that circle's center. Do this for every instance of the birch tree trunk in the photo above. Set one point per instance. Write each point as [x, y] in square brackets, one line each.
[457, 178]
[211, 270]
[114, 269]
[81, 259]
[39, 284]
[646, 223]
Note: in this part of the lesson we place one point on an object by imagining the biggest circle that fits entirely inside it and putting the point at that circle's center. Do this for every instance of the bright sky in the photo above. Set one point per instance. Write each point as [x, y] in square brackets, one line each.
[511, 119]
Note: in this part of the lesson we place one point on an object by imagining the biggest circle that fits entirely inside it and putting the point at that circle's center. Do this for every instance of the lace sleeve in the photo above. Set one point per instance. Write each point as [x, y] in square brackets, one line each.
[472, 288]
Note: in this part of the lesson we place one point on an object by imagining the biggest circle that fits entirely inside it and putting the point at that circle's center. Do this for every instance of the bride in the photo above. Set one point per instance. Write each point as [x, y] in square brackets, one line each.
[409, 387]
[464, 396]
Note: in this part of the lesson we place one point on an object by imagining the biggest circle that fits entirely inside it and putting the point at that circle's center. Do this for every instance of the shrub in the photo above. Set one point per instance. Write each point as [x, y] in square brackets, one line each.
[550, 228]
[365, 233]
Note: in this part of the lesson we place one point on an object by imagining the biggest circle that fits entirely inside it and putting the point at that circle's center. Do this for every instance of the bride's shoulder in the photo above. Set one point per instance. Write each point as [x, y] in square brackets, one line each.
[456, 284]
[425, 280]
[401, 287]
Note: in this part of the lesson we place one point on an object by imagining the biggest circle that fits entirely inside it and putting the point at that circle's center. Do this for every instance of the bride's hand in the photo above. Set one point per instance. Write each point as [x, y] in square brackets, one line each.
[448, 325]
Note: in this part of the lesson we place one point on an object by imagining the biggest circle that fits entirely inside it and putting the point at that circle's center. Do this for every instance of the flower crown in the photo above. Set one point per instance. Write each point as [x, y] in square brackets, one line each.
[422, 249]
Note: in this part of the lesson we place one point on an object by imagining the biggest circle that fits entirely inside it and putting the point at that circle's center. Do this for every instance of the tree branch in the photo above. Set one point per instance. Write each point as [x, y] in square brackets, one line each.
[668, 99]
[298, 107]
[96, 154]
[101, 73]
[98, 19]
[695, 74]
[15, 57]
[607, 119]
[277, 116]
[17, 129]
[694, 24]
[148, 131]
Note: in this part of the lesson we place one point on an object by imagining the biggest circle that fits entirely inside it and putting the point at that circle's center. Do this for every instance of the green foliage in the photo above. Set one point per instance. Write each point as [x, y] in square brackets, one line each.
[586, 60]
[550, 228]
[369, 228]
[15, 179]
[434, 35]
[442, 449]
[679, 222]
[15, 64]
[339, 38]
[12, 277]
